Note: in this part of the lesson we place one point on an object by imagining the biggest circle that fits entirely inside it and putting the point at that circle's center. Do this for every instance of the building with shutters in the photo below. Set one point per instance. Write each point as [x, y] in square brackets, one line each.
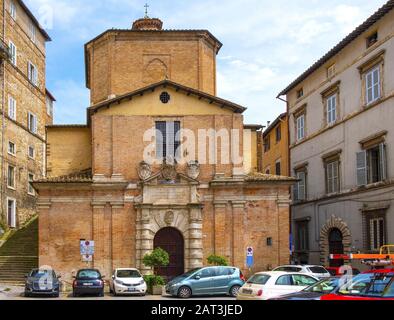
[131, 179]
[26, 108]
[341, 112]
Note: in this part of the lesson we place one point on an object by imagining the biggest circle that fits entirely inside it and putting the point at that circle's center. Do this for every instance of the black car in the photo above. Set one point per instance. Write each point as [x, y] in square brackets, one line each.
[42, 282]
[88, 282]
[315, 291]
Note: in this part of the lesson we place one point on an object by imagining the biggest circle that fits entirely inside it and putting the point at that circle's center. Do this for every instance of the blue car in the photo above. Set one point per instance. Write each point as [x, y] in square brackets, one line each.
[41, 282]
[207, 281]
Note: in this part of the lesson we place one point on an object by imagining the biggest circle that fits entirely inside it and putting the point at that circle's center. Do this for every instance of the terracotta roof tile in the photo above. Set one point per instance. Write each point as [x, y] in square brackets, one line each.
[78, 177]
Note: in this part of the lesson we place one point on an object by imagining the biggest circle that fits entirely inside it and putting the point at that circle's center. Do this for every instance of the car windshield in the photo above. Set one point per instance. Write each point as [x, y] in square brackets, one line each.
[190, 273]
[259, 279]
[288, 269]
[128, 274]
[324, 286]
[42, 273]
[317, 269]
[88, 274]
[370, 285]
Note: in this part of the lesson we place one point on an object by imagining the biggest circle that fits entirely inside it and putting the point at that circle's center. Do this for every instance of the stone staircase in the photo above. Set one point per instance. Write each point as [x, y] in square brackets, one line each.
[19, 255]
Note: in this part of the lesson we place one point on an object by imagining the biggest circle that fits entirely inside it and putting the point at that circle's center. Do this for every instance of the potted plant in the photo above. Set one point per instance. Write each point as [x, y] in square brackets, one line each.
[158, 258]
[217, 260]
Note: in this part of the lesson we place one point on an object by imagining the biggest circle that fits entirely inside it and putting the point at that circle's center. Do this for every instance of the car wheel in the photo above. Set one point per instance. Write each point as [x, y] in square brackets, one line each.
[184, 292]
[234, 290]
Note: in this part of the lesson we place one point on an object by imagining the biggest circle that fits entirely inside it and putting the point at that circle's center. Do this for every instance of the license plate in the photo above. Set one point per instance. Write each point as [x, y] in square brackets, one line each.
[88, 284]
[131, 289]
[247, 291]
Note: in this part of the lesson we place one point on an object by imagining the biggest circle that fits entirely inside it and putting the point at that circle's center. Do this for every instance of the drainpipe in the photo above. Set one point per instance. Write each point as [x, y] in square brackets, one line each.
[288, 161]
[2, 182]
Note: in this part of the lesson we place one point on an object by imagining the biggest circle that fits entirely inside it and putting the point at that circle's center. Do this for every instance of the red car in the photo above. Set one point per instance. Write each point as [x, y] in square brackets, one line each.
[335, 271]
[370, 285]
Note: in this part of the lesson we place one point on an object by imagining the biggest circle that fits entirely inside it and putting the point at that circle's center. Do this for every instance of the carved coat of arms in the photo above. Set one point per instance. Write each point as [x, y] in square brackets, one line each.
[144, 170]
[193, 169]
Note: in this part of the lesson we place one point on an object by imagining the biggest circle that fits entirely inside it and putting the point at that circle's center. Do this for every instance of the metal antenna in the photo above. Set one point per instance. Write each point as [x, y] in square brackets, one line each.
[146, 11]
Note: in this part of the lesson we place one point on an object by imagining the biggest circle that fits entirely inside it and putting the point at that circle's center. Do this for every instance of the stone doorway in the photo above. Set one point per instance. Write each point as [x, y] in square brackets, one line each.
[171, 240]
[335, 243]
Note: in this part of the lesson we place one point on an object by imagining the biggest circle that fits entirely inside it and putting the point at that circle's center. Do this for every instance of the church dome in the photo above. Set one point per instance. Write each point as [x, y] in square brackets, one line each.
[148, 24]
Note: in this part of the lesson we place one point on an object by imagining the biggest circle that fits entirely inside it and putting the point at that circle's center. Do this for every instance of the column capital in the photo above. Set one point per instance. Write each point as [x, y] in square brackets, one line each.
[220, 204]
[238, 204]
[98, 204]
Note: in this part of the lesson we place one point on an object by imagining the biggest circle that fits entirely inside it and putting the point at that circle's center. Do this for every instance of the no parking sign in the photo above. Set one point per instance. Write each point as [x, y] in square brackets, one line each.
[249, 257]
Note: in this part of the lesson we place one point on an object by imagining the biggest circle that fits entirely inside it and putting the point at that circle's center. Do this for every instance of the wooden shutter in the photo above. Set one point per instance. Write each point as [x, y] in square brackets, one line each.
[170, 139]
[383, 161]
[362, 168]
[295, 192]
[301, 186]
[177, 143]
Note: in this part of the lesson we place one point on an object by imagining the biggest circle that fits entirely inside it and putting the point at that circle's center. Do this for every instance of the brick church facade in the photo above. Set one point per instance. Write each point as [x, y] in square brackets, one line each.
[149, 87]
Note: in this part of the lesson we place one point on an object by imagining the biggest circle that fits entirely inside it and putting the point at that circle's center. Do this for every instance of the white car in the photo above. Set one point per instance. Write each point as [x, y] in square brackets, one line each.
[271, 284]
[316, 271]
[127, 281]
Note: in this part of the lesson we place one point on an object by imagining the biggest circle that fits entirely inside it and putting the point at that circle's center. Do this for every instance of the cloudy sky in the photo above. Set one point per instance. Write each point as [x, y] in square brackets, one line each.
[267, 44]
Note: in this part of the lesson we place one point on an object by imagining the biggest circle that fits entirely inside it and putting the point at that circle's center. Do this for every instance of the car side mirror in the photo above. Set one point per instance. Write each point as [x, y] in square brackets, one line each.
[197, 277]
[113, 277]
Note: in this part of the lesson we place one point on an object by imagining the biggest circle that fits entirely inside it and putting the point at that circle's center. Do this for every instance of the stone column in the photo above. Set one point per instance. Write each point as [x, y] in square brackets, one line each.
[220, 227]
[117, 234]
[145, 238]
[239, 248]
[283, 204]
[44, 233]
[194, 256]
[98, 235]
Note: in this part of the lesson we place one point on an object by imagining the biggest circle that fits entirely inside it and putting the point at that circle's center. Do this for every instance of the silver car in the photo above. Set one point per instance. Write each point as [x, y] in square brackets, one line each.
[313, 270]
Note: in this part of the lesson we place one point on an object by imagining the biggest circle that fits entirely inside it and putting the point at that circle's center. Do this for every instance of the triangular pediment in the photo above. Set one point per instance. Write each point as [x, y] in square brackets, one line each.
[166, 98]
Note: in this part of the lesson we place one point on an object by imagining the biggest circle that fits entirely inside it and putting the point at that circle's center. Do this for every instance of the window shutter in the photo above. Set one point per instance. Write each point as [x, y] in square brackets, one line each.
[295, 192]
[29, 71]
[362, 168]
[177, 129]
[383, 161]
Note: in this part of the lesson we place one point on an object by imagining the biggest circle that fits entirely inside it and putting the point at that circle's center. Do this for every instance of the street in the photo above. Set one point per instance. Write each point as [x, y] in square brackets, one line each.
[16, 293]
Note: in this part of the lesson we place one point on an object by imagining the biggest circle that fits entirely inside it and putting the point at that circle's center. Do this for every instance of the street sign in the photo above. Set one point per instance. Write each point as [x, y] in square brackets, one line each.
[86, 247]
[249, 257]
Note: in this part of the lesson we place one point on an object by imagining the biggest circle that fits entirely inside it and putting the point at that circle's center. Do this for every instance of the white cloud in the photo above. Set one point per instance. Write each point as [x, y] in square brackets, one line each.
[267, 44]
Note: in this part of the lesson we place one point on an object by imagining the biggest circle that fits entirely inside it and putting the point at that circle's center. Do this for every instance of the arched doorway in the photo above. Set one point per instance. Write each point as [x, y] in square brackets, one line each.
[335, 243]
[171, 240]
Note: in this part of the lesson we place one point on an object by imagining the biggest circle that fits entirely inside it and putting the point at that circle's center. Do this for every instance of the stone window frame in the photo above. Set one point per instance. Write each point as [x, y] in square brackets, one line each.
[8, 148]
[331, 70]
[330, 158]
[12, 223]
[14, 55]
[13, 10]
[377, 140]
[299, 93]
[301, 111]
[13, 186]
[32, 76]
[12, 103]
[377, 61]
[32, 126]
[303, 168]
[367, 216]
[267, 143]
[34, 152]
[302, 221]
[278, 133]
[30, 188]
[279, 160]
[170, 119]
[333, 90]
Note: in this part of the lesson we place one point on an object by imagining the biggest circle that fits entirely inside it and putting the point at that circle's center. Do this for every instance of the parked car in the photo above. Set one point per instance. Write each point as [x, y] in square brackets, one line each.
[370, 285]
[207, 281]
[127, 281]
[88, 282]
[336, 271]
[316, 271]
[42, 282]
[315, 291]
[271, 284]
